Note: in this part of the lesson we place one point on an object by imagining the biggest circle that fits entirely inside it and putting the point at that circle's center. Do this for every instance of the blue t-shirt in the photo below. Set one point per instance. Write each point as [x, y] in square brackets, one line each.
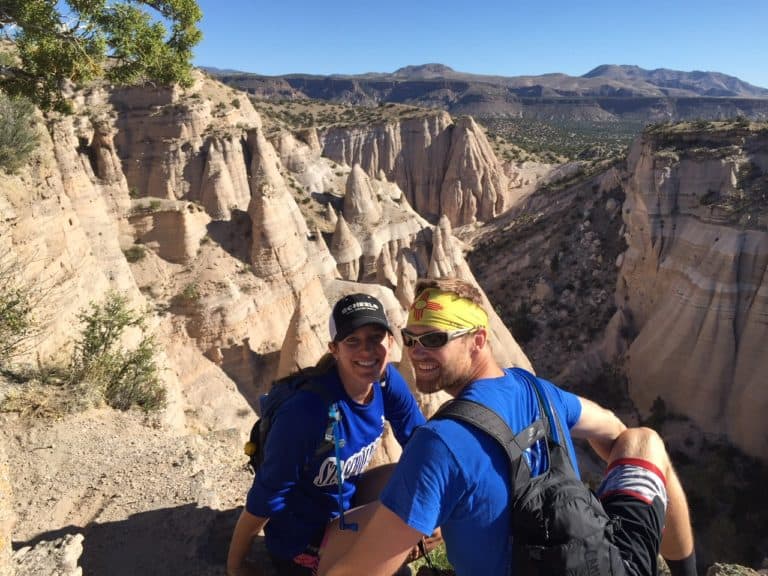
[297, 489]
[454, 476]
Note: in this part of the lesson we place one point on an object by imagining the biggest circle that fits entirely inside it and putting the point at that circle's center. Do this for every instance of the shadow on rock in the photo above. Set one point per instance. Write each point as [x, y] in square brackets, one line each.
[187, 540]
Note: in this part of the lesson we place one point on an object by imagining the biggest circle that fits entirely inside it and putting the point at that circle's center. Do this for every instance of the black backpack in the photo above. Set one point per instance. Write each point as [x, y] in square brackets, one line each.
[281, 391]
[558, 525]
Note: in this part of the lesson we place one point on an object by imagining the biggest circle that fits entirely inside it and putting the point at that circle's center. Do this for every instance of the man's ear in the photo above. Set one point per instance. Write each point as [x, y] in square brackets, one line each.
[481, 338]
[332, 347]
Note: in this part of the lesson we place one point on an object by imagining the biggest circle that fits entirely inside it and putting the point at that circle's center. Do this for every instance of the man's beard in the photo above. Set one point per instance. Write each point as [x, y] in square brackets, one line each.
[449, 383]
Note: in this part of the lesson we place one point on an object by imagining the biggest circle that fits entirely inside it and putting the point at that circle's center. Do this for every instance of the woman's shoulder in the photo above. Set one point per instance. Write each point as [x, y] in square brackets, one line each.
[311, 394]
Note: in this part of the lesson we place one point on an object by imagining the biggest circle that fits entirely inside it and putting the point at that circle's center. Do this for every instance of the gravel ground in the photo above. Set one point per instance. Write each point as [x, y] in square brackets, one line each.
[147, 500]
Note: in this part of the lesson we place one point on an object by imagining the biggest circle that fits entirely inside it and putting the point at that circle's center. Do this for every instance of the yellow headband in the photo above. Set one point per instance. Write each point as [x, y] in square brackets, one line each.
[445, 310]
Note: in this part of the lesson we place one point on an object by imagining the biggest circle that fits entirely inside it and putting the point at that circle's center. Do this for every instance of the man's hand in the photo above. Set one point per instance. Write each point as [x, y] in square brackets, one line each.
[425, 546]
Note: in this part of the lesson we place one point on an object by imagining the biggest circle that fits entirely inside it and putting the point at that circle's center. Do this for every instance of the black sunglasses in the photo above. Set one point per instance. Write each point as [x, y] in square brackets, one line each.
[433, 339]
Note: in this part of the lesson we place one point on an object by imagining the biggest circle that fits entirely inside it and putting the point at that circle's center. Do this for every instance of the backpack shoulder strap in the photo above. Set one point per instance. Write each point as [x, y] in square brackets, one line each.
[311, 383]
[487, 420]
[316, 386]
[558, 451]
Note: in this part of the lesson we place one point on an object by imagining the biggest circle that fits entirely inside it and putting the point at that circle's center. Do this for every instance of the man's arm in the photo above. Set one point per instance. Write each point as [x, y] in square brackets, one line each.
[247, 528]
[379, 550]
[599, 426]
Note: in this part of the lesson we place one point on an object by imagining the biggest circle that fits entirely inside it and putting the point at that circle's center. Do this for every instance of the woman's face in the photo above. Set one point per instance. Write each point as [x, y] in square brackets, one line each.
[361, 357]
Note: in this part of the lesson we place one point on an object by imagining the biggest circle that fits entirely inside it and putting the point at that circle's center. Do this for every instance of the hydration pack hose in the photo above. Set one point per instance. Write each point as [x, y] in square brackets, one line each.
[335, 417]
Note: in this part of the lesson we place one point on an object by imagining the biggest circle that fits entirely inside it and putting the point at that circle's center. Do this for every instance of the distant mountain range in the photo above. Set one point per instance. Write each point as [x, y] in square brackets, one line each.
[609, 92]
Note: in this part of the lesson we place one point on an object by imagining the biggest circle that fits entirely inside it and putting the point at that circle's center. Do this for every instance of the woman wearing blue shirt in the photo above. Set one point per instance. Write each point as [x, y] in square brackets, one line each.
[296, 491]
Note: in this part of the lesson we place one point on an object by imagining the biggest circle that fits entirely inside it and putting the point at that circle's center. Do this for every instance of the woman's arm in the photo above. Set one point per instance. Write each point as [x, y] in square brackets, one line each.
[247, 528]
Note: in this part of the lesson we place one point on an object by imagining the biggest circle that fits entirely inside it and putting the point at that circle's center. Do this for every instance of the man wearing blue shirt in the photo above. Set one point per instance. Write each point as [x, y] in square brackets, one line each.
[456, 477]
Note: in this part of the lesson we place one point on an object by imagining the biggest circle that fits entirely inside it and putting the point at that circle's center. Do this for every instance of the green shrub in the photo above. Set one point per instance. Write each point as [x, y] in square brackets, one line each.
[17, 302]
[15, 319]
[147, 208]
[135, 253]
[191, 292]
[18, 134]
[101, 366]
[438, 558]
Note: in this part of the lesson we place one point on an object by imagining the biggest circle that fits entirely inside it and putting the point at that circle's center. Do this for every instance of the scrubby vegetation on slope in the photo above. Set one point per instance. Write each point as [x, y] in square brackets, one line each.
[300, 114]
[560, 140]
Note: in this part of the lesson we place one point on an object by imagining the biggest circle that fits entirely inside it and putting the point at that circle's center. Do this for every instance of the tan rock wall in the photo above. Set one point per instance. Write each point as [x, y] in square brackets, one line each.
[174, 230]
[177, 144]
[224, 185]
[697, 291]
[442, 167]
[59, 225]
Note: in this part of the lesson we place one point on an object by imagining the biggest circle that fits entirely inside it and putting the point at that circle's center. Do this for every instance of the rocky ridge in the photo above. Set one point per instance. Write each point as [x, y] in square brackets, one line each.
[443, 167]
[607, 93]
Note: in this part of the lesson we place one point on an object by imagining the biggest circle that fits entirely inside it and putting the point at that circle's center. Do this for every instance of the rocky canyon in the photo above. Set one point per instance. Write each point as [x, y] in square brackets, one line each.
[236, 235]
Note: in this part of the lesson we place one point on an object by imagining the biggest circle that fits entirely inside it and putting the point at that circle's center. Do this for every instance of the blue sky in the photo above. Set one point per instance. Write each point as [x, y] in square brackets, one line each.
[505, 37]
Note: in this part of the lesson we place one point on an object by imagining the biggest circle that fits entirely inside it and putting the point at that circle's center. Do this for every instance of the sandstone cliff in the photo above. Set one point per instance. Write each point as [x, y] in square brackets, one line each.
[694, 278]
[61, 225]
[444, 167]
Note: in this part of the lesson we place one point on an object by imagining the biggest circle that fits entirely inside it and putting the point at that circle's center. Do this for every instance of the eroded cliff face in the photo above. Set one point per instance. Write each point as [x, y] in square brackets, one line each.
[178, 144]
[232, 226]
[694, 278]
[59, 227]
[444, 167]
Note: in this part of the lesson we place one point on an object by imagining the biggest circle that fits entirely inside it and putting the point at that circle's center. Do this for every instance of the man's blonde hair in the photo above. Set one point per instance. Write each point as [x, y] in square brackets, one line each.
[459, 287]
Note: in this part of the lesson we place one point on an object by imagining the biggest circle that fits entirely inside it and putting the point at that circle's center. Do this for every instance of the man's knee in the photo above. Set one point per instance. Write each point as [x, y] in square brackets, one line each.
[642, 443]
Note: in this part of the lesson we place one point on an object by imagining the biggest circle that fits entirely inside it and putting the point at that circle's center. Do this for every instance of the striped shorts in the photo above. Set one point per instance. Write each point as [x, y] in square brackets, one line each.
[634, 495]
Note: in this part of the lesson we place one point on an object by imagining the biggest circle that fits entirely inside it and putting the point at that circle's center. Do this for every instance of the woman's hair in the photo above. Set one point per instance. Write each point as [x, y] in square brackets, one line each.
[323, 366]
[461, 288]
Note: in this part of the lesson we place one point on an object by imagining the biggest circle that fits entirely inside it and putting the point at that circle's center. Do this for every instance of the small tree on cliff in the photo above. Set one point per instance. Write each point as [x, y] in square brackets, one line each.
[73, 41]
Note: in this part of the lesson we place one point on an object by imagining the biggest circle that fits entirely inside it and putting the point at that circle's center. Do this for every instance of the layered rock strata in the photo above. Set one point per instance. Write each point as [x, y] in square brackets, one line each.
[306, 339]
[443, 167]
[177, 144]
[59, 229]
[173, 229]
[346, 250]
[360, 203]
[694, 279]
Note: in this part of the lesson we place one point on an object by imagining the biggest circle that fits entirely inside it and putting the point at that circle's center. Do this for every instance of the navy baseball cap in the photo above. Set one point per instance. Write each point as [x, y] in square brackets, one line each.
[354, 311]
